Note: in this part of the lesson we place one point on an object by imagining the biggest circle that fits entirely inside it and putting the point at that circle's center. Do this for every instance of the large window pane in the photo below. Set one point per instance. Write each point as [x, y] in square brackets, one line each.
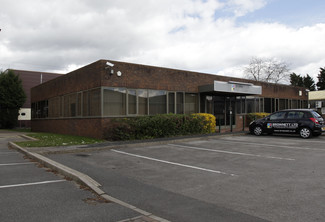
[294, 104]
[40, 109]
[171, 102]
[157, 102]
[282, 104]
[72, 105]
[257, 105]
[191, 104]
[79, 105]
[243, 108]
[114, 101]
[250, 103]
[261, 107]
[66, 106]
[180, 103]
[132, 101]
[95, 102]
[143, 101]
[239, 105]
[267, 105]
[85, 104]
[54, 107]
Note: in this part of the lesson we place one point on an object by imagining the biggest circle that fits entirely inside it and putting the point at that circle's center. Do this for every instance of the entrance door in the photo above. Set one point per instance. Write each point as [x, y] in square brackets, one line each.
[224, 110]
[230, 110]
[219, 110]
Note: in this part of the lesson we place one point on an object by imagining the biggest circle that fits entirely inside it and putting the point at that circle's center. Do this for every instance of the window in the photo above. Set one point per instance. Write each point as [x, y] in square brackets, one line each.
[40, 109]
[295, 115]
[95, 102]
[54, 107]
[70, 105]
[114, 101]
[294, 104]
[261, 106]
[267, 105]
[191, 104]
[239, 105]
[85, 103]
[277, 116]
[79, 104]
[132, 101]
[157, 102]
[171, 102]
[274, 105]
[316, 114]
[143, 101]
[257, 105]
[180, 103]
[282, 104]
[250, 104]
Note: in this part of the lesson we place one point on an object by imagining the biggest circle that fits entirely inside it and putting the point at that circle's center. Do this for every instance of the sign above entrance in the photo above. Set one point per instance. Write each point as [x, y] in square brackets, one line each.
[232, 87]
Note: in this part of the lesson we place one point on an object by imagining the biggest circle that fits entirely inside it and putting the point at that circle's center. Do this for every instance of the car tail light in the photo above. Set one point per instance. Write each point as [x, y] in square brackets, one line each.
[314, 120]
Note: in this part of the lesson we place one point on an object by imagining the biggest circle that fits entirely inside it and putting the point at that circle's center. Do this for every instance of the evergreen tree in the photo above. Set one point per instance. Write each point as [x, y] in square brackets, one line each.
[309, 83]
[321, 79]
[12, 97]
[296, 80]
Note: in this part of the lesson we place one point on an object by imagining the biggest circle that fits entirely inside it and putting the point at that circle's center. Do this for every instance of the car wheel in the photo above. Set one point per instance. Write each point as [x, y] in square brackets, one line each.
[305, 132]
[258, 130]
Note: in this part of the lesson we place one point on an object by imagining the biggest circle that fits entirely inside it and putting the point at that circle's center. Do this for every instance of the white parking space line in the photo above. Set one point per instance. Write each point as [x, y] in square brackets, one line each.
[15, 164]
[230, 152]
[309, 141]
[31, 184]
[173, 163]
[270, 145]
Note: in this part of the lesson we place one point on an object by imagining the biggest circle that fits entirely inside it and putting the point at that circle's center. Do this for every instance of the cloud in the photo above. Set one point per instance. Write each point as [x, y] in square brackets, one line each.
[242, 7]
[186, 34]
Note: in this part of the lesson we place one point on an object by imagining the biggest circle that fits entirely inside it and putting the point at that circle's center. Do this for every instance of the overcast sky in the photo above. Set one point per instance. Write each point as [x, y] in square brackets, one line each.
[213, 36]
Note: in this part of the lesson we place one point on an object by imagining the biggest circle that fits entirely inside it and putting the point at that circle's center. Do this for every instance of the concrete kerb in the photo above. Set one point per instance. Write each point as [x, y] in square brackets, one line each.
[81, 179]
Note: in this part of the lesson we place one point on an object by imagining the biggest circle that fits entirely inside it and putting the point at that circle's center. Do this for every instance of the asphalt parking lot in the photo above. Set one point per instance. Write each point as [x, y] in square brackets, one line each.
[30, 192]
[229, 178]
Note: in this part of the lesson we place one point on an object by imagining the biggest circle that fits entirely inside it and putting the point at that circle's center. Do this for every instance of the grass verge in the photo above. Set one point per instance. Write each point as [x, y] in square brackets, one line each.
[50, 139]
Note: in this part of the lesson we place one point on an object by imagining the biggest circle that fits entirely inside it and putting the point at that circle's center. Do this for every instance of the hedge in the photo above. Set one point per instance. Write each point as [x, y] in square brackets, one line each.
[158, 126]
[253, 116]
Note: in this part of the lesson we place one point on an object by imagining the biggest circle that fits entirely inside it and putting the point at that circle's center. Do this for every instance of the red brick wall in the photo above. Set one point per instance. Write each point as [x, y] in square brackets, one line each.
[85, 78]
[90, 127]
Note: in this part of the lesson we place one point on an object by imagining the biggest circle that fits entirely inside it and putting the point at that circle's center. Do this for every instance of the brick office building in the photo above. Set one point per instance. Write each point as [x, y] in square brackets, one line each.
[82, 102]
[30, 79]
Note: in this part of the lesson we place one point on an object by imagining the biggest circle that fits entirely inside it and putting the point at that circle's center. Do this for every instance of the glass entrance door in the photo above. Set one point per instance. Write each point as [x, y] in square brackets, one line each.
[219, 110]
[230, 111]
[224, 110]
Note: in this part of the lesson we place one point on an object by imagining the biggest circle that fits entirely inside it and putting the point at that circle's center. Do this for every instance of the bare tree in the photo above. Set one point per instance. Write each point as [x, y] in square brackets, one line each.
[255, 69]
[267, 70]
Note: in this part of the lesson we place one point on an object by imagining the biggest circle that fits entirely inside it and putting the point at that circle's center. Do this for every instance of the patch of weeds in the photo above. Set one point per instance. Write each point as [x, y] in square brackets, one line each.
[95, 200]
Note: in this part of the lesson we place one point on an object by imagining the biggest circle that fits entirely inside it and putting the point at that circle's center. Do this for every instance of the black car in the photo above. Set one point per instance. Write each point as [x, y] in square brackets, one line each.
[305, 122]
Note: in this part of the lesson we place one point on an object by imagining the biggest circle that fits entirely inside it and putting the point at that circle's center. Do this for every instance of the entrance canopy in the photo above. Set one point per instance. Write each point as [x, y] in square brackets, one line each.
[231, 87]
